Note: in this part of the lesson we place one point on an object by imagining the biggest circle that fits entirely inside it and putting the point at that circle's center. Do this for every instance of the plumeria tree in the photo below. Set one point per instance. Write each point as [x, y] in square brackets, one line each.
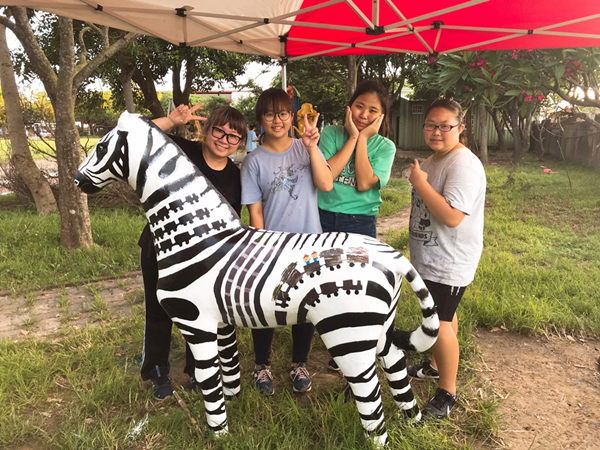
[509, 82]
[573, 75]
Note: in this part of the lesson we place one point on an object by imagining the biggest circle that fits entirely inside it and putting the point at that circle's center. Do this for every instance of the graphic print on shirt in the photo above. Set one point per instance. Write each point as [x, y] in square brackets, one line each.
[347, 176]
[420, 221]
[287, 178]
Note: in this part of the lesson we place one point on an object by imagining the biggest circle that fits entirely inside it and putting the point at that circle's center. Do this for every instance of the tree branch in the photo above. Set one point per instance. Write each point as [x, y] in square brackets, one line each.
[22, 29]
[84, 70]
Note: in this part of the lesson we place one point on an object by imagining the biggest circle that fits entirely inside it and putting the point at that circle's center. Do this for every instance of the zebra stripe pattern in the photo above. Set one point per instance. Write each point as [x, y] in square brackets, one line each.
[216, 273]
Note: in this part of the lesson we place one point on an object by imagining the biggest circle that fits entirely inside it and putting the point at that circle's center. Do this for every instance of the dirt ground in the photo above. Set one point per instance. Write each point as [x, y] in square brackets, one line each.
[547, 388]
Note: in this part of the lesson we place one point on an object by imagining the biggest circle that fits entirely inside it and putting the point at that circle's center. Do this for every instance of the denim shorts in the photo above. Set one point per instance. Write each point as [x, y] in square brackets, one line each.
[348, 223]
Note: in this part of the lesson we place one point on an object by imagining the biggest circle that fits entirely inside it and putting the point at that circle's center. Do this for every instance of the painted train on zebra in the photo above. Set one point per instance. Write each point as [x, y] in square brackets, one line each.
[216, 273]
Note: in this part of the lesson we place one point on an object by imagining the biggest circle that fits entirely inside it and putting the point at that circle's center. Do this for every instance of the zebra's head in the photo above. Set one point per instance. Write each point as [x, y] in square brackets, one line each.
[108, 162]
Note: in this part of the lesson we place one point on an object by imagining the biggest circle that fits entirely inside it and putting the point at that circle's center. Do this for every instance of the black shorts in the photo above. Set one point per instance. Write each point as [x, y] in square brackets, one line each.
[446, 298]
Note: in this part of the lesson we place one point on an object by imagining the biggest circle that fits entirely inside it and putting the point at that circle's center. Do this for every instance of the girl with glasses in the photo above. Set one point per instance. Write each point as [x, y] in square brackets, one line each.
[361, 158]
[446, 238]
[221, 136]
[280, 179]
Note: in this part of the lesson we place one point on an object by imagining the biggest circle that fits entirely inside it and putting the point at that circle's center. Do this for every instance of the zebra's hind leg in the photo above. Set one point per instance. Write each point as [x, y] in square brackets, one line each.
[394, 366]
[204, 347]
[229, 359]
[360, 372]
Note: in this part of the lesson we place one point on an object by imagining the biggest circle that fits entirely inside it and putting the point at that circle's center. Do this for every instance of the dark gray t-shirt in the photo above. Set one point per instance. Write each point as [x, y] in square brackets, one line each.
[439, 253]
[283, 183]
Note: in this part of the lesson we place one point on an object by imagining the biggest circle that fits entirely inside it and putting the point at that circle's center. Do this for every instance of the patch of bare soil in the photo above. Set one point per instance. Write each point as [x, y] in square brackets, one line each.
[548, 389]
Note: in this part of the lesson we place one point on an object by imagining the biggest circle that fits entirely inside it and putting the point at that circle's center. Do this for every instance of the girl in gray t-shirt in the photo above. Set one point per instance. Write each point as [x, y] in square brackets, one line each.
[446, 238]
[280, 179]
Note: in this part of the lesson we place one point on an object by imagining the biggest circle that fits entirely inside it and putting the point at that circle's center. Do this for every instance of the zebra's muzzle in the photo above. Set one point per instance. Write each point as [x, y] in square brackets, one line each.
[85, 184]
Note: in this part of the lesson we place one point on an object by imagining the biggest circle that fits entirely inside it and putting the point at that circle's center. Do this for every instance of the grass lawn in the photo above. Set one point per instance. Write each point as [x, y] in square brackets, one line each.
[43, 148]
[539, 273]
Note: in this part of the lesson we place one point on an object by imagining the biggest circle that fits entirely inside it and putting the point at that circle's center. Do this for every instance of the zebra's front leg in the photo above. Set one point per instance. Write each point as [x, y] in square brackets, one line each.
[394, 366]
[204, 347]
[230, 361]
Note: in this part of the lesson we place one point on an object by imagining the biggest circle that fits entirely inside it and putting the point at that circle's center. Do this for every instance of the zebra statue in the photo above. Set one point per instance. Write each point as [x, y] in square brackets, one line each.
[216, 273]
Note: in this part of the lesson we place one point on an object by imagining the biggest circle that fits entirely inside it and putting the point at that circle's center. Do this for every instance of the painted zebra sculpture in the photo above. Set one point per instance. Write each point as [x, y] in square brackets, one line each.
[216, 273]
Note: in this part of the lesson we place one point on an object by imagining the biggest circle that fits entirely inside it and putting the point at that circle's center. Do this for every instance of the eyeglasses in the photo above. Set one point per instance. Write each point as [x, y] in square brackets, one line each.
[283, 115]
[232, 139]
[443, 128]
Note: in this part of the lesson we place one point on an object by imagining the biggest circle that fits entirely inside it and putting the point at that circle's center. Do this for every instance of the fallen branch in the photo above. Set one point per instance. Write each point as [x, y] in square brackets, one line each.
[188, 413]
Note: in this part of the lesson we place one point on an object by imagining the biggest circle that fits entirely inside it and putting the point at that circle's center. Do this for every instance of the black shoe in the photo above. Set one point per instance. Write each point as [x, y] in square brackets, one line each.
[331, 365]
[423, 371]
[441, 404]
[195, 385]
[161, 382]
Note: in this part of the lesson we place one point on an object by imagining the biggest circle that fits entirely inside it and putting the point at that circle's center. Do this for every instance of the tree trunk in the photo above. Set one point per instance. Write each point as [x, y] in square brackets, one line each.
[351, 81]
[470, 136]
[75, 227]
[180, 96]
[37, 184]
[499, 126]
[144, 79]
[483, 136]
[125, 78]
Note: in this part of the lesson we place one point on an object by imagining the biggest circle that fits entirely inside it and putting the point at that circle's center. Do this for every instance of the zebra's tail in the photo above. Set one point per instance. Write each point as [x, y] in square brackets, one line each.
[425, 336]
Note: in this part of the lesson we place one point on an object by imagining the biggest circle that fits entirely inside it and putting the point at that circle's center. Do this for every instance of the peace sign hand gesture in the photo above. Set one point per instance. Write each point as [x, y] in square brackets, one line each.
[311, 135]
[183, 114]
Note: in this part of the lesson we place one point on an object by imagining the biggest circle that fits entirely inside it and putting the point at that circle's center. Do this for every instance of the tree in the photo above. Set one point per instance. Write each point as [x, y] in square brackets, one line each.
[37, 184]
[62, 72]
[573, 75]
[510, 81]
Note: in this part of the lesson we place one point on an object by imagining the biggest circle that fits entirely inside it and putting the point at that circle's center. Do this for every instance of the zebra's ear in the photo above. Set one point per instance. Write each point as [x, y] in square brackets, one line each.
[126, 120]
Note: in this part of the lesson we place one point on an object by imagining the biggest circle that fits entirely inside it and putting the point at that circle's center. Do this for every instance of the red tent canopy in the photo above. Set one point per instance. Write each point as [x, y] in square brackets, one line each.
[295, 28]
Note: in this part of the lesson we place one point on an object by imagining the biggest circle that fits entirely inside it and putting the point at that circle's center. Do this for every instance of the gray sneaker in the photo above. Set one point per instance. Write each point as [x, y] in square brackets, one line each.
[300, 378]
[423, 371]
[441, 404]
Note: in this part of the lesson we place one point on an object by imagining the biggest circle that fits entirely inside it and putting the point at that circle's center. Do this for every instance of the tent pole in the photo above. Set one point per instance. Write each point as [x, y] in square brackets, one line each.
[283, 76]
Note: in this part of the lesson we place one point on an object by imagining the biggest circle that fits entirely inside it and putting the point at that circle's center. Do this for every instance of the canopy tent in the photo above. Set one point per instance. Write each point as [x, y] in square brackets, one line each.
[292, 29]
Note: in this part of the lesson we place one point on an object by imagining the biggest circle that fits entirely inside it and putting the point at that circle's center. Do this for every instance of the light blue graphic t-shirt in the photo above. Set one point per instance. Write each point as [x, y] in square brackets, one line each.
[283, 183]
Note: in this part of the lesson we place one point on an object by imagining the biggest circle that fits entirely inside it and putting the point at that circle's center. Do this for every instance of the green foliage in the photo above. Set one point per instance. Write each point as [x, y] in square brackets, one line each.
[313, 83]
[247, 106]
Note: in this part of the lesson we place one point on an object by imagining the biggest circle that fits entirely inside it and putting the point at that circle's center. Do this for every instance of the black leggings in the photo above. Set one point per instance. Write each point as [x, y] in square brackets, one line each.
[157, 329]
[302, 335]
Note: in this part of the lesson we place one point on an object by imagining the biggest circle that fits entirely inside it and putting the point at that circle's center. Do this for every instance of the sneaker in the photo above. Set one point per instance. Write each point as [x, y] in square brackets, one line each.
[161, 383]
[331, 365]
[423, 371]
[441, 404]
[300, 378]
[263, 379]
[195, 385]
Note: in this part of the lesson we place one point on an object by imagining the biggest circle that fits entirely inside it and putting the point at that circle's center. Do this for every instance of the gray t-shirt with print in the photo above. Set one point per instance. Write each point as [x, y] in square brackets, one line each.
[283, 183]
[439, 253]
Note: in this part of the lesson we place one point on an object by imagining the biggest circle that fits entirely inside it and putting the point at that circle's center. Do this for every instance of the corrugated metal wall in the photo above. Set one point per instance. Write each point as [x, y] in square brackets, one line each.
[408, 121]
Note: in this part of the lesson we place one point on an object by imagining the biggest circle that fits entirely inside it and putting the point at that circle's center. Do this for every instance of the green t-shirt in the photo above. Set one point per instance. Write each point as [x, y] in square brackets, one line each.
[344, 197]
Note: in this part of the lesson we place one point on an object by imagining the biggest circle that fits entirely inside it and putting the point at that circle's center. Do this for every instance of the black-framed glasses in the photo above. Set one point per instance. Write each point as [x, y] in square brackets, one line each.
[232, 139]
[283, 115]
[443, 128]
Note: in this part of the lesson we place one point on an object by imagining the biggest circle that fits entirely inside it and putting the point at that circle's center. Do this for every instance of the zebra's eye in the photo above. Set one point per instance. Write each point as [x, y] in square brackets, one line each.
[101, 150]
